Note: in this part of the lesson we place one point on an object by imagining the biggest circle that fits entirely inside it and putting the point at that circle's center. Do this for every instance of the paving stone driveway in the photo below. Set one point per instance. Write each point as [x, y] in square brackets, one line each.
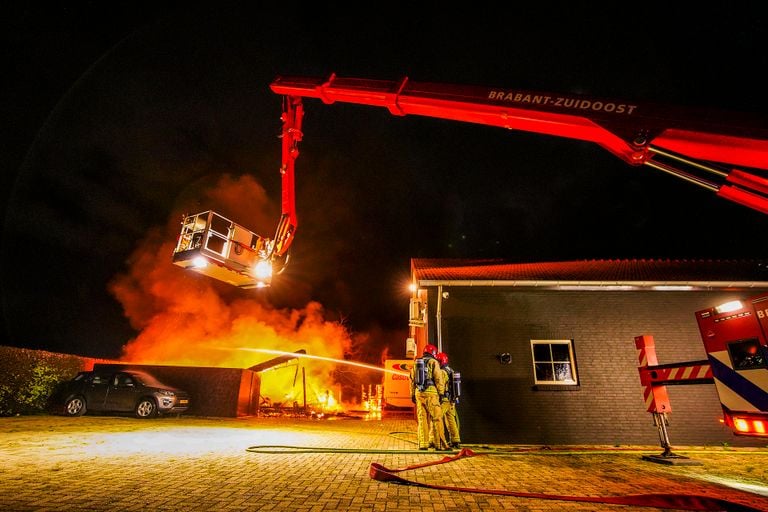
[113, 463]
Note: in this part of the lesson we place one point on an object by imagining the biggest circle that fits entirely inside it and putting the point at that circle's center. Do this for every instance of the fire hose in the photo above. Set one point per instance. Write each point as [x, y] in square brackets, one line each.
[671, 501]
[384, 474]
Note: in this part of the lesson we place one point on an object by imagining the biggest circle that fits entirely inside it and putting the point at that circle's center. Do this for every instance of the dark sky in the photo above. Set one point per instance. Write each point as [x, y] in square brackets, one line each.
[115, 120]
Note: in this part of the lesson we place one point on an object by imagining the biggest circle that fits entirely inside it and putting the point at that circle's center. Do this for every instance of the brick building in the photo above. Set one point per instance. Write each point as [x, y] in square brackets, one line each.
[494, 318]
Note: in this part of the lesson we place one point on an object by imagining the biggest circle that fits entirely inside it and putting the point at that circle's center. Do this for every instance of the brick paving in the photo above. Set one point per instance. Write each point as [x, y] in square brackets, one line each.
[108, 463]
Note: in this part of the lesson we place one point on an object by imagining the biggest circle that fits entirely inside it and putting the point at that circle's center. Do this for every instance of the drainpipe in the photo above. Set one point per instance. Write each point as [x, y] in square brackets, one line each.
[439, 318]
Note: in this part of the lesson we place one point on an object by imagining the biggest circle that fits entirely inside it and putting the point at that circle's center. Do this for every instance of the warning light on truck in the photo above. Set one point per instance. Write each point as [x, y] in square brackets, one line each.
[729, 306]
[751, 426]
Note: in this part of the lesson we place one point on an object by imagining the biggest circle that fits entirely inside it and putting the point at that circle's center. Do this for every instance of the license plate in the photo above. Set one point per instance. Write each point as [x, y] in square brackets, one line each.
[183, 402]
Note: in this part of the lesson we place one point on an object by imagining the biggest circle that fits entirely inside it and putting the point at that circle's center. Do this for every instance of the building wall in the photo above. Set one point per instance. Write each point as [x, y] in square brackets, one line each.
[500, 404]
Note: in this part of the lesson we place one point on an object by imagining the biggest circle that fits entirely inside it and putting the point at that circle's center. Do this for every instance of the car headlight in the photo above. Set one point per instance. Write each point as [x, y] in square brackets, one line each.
[165, 392]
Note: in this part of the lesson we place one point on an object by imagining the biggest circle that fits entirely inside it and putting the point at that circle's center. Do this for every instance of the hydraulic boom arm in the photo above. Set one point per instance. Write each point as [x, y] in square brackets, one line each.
[293, 112]
[702, 147]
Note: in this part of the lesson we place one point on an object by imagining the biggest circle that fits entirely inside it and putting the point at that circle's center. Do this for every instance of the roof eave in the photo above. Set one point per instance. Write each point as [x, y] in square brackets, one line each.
[597, 285]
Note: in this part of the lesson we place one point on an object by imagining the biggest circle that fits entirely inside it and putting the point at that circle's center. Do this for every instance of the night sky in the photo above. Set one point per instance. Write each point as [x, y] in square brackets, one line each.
[117, 121]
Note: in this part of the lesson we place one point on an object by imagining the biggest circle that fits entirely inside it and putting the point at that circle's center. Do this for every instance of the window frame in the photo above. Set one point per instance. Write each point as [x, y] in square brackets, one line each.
[571, 361]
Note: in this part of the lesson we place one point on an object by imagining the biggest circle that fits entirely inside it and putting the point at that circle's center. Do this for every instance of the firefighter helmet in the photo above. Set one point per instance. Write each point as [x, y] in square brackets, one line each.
[442, 358]
[430, 349]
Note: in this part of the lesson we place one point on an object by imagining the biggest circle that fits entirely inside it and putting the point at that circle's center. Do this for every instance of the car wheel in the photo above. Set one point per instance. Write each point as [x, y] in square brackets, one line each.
[75, 406]
[146, 408]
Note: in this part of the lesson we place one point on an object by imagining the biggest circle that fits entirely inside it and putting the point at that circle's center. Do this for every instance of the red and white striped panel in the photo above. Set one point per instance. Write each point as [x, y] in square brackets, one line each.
[656, 399]
[692, 372]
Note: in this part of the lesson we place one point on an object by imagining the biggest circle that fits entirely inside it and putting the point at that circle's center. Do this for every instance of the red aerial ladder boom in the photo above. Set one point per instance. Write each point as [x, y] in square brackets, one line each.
[293, 112]
[726, 153]
[700, 146]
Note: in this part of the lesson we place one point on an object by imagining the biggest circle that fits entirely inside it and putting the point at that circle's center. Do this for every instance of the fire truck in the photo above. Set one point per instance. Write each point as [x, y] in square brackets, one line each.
[723, 152]
[735, 338]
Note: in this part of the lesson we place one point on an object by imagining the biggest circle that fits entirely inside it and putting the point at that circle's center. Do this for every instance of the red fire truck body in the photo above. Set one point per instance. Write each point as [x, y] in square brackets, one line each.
[737, 347]
[736, 344]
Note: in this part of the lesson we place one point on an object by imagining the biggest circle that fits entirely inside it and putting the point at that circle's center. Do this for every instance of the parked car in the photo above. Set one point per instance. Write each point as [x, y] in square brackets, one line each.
[108, 391]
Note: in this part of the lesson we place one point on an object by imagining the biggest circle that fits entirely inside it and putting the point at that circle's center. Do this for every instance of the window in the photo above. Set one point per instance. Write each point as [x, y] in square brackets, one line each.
[746, 354]
[123, 380]
[100, 379]
[554, 362]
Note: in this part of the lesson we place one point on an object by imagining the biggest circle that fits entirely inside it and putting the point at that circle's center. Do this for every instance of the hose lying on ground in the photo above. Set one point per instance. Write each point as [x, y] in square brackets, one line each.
[671, 501]
[383, 474]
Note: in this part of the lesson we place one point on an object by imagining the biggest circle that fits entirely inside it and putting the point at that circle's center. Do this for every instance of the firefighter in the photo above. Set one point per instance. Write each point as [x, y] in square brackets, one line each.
[427, 385]
[448, 403]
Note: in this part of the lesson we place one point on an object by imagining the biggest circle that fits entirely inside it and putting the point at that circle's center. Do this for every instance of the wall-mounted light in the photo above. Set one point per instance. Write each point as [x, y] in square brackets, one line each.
[446, 295]
[504, 358]
[728, 307]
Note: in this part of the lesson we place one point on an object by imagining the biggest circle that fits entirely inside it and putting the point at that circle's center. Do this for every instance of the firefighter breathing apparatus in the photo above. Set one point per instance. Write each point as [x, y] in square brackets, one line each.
[453, 386]
[422, 377]
[419, 374]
